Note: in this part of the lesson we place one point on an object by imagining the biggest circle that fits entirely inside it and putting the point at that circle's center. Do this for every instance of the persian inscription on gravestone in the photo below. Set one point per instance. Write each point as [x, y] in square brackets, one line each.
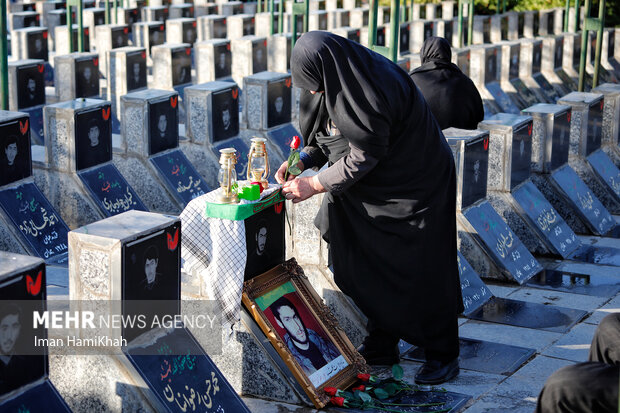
[30, 86]
[136, 70]
[110, 190]
[521, 154]
[474, 292]
[21, 361]
[547, 221]
[583, 200]
[279, 102]
[606, 170]
[225, 112]
[15, 157]
[36, 219]
[503, 245]
[163, 125]
[181, 66]
[259, 56]
[41, 398]
[180, 176]
[93, 137]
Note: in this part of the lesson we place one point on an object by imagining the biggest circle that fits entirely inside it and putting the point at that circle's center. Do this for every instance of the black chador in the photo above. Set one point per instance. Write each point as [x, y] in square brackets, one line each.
[452, 96]
[389, 214]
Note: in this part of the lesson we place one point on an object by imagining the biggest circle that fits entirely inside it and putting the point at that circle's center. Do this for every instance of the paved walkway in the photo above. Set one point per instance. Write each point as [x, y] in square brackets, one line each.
[516, 393]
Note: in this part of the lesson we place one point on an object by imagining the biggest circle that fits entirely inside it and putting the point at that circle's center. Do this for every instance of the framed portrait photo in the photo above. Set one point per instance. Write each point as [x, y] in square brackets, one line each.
[303, 331]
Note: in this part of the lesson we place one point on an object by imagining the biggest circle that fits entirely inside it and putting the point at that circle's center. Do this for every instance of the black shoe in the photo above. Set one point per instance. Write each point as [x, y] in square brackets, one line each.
[380, 355]
[436, 372]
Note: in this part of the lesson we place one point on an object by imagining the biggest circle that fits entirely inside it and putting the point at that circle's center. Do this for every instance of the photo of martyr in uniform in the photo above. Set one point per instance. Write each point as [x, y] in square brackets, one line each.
[31, 87]
[136, 71]
[225, 115]
[164, 124]
[93, 138]
[16, 369]
[15, 154]
[87, 79]
[279, 97]
[310, 348]
[264, 240]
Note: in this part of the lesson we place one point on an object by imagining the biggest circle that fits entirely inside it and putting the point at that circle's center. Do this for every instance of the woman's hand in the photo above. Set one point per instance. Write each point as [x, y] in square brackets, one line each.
[302, 188]
[282, 171]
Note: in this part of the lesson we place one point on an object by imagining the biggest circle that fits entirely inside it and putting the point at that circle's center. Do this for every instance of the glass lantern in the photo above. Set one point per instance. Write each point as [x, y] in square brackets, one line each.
[227, 176]
[258, 162]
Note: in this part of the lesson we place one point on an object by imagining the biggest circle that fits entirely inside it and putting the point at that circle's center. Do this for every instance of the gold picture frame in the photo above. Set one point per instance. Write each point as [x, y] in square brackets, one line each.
[303, 331]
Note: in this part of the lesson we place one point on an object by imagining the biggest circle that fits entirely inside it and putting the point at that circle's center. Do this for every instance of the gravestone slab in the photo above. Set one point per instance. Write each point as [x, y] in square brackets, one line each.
[420, 31]
[529, 315]
[149, 34]
[611, 117]
[482, 30]
[585, 203]
[577, 278]
[462, 58]
[524, 92]
[110, 190]
[54, 18]
[27, 93]
[510, 150]
[108, 37]
[172, 65]
[335, 18]
[200, 376]
[484, 356]
[249, 56]
[548, 224]
[279, 49]
[213, 60]
[181, 10]
[76, 75]
[43, 397]
[553, 55]
[470, 151]
[606, 171]
[262, 26]
[502, 245]
[93, 17]
[240, 25]
[473, 290]
[30, 43]
[155, 14]
[181, 30]
[230, 8]
[19, 20]
[551, 136]
[350, 33]
[180, 176]
[211, 27]
[448, 401]
[127, 72]
[62, 39]
[358, 17]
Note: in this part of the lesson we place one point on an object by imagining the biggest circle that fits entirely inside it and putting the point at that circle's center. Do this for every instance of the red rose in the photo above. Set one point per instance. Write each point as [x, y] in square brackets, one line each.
[363, 377]
[337, 401]
[361, 387]
[331, 391]
[295, 142]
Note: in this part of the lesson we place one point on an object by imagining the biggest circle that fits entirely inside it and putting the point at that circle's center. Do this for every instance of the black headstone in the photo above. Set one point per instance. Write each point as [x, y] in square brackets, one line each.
[22, 362]
[486, 30]
[16, 161]
[504, 27]
[505, 248]
[502, 99]
[264, 238]
[181, 66]
[521, 25]
[259, 56]
[353, 35]
[110, 190]
[585, 203]
[463, 62]
[558, 53]
[242, 148]
[475, 293]
[381, 36]
[548, 90]
[157, 36]
[248, 26]
[163, 125]
[180, 176]
[536, 23]
[606, 171]
[549, 225]
[448, 31]
[40, 225]
[521, 154]
[490, 73]
[42, 398]
[93, 137]
[576, 51]
[87, 77]
[223, 61]
[427, 401]
[219, 28]
[30, 85]
[199, 380]
[189, 32]
[136, 70]
[595, 126]
[561, 140]
[404, 38]
[120, 37]
[225, 111]
[428, 29]
[37, 45]
[279, 102]
[536, 56]
[513, 71]
[524, 93]
[475, 170]
[550, 23]
[282, 137]
[601, 285]
[131, 17]
[484, 356]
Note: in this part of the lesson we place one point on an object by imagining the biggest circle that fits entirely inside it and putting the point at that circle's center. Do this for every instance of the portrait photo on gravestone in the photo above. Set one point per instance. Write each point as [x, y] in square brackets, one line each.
[93, 144]
[223, 60]
[15, 161]
[136, 70]
[264, 239]
[86, 78]
[259, 56]
[181, 66]
[20, 363]
[304, 337]
[37, 45]
[30, 86]
[151, 271]
[279, 98]
[225, 114]
[163, 125]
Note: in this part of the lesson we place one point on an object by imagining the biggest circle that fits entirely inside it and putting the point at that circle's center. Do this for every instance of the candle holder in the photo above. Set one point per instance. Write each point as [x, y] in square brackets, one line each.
[227, 176]
[258, 162]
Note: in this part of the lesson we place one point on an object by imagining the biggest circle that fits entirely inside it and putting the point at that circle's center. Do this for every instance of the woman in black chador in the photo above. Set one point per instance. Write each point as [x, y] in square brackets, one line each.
[389, 212]
[452, 96]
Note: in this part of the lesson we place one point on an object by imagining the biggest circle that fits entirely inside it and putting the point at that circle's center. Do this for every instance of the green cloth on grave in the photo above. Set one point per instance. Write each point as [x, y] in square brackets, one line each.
[239, 212]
